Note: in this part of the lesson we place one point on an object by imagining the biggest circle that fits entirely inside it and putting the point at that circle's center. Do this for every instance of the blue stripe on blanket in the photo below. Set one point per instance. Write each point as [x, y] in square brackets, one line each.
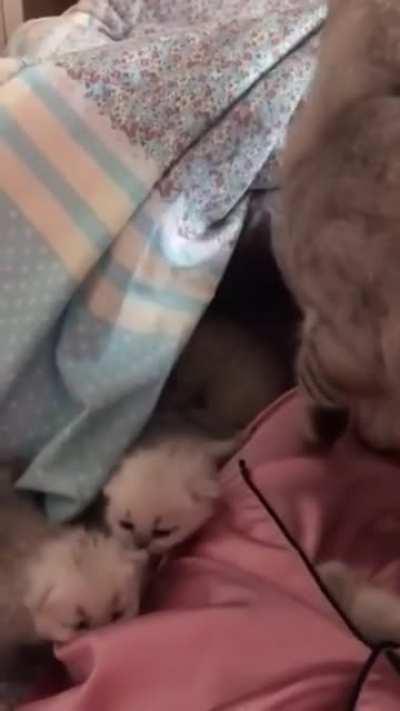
[116, 171]
[78, 210]
[132, 286]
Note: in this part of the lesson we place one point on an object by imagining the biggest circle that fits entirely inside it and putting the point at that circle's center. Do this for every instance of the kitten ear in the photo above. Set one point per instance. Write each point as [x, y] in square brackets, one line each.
[109, 488]
[65, 551]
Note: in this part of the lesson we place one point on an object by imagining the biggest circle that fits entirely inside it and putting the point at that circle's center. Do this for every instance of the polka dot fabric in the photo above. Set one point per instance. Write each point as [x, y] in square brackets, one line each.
[127, 156]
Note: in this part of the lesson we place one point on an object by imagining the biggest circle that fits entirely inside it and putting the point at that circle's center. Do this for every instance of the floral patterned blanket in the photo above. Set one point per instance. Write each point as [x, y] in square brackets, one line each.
[130, 134]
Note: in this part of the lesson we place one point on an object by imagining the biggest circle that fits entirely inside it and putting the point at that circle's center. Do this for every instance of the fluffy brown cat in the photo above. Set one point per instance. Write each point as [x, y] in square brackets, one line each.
[339, 246]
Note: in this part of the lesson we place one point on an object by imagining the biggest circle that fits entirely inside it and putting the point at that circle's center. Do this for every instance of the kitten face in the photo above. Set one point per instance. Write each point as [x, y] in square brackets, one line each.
[160, 496]
[82, 581]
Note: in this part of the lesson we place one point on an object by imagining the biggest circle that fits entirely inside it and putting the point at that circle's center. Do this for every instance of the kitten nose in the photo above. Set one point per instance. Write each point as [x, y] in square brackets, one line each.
[141, 540]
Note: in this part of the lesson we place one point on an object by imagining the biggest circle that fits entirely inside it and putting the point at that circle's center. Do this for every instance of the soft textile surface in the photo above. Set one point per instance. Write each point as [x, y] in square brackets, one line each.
[242, 623]
[130, 132]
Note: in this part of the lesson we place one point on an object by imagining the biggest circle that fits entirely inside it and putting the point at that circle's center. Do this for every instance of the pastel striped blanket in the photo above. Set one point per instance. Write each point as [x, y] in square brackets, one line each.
[130, 134]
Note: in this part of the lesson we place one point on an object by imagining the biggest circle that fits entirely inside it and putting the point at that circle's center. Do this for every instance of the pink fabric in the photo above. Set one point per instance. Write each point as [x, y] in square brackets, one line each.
[241, 624]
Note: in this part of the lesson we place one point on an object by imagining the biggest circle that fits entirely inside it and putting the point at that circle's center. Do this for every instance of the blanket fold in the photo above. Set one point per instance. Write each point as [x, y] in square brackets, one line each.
[131, 133]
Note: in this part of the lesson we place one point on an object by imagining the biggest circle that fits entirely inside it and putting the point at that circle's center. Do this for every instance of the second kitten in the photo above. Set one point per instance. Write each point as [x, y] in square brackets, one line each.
[165, 489]
[55, 583]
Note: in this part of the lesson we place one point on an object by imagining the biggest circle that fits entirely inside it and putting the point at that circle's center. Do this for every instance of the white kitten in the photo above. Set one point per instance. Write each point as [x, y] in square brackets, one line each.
[82, 580]
[165, 490]
[54, 583]
[54, 579]
[374, 611]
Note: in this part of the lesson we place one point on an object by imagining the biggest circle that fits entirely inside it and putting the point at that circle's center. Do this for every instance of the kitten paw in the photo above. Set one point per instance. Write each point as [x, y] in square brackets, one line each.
[338, 578]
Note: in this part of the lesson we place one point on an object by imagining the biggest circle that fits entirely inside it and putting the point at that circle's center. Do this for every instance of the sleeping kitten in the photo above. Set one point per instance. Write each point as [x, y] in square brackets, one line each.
[80, 581]
[374, 611]
[165, 489]
[55, 582]
[339, 246]
[224, 377]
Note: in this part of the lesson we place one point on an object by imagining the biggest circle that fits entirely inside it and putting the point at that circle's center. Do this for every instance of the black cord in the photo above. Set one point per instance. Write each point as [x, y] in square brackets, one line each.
[245, 473]
[362, 678]
[374, 651]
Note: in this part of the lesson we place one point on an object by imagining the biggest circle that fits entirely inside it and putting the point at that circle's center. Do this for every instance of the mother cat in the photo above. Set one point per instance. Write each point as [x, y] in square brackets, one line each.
[340, 243]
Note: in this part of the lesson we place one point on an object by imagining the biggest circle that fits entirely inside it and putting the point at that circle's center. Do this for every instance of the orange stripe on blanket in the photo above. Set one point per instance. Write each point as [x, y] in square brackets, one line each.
[45, 214]
[140, 258]
[108, 303]
[111, 205]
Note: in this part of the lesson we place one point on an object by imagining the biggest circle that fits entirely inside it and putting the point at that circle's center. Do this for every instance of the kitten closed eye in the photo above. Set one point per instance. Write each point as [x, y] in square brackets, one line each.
[164, 532]
[127, 525]
[165, 490]
[81, 626]
[117, 615]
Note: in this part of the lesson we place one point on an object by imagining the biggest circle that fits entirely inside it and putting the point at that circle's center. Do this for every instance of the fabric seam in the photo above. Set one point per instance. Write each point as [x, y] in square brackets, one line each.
[374, 652]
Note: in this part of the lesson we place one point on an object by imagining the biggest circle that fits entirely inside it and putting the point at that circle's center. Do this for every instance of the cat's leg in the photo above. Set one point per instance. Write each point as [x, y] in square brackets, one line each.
[326, 418]
[377, 417]
[377, 422]
[340, 582]
[335, 377]
[375, 612]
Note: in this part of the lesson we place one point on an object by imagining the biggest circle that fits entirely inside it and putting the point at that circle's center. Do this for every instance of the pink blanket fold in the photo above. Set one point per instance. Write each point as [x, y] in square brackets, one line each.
[240, 622]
